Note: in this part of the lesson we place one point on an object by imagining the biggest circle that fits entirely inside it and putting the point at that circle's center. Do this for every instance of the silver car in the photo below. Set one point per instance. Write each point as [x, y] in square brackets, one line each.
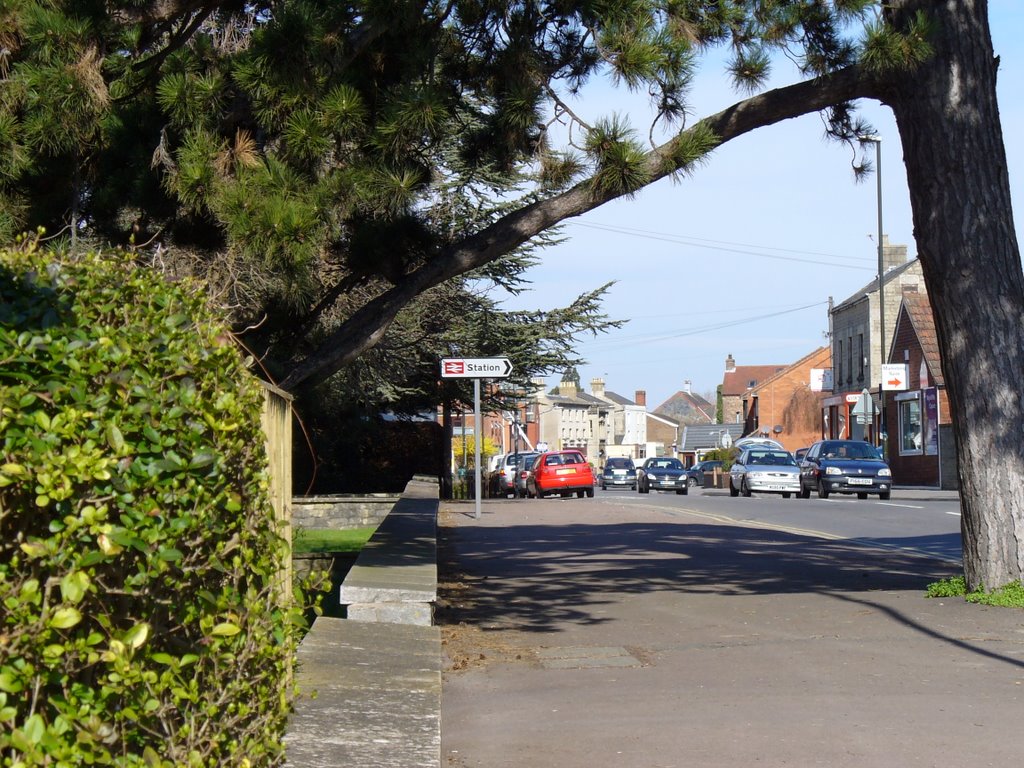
[764, 470]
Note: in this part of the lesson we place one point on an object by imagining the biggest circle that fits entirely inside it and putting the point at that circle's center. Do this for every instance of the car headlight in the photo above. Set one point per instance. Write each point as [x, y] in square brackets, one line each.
[833, 471]
[755, 475]
[885, 472]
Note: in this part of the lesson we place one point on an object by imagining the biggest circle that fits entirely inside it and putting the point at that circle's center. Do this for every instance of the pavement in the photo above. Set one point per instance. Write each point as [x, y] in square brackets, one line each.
[579, 634]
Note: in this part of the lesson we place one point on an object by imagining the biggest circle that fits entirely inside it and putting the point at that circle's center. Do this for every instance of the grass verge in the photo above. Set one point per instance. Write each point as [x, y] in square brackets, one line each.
[316, 541]
[1010, 596]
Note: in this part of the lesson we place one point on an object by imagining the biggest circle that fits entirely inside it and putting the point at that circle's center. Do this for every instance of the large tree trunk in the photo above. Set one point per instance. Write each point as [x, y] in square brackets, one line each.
[963, 224]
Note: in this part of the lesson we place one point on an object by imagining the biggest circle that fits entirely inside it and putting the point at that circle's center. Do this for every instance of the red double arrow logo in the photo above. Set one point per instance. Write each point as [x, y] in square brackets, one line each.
[454, 367]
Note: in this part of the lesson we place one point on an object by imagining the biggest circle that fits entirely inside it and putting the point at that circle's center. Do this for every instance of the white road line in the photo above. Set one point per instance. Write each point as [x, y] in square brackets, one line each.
[905, 506]
[954, 514]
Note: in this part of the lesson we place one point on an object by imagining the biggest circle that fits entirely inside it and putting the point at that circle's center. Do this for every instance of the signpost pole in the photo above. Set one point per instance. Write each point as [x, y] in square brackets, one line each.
[476, 447]
[476, 369]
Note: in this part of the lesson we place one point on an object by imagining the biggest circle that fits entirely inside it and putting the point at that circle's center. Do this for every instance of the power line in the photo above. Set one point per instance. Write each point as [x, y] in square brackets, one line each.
[656, 337]
[739, 247]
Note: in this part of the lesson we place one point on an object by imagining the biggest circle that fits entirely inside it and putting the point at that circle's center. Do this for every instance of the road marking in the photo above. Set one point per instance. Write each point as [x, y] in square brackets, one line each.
[905, 506]
[868, 543]
[954, 514]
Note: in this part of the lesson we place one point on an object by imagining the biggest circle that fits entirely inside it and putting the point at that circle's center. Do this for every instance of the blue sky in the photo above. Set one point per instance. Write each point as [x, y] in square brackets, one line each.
[742, 257]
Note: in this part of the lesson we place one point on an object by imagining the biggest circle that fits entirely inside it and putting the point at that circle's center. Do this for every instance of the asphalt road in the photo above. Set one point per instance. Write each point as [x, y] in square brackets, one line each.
[922, 521]
[661, 633]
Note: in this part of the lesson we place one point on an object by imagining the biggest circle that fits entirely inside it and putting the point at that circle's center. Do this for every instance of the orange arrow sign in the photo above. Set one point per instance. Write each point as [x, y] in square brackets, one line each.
[895, 382]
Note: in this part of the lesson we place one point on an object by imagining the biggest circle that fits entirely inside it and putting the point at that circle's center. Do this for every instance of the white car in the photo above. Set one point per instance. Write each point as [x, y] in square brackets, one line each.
[764, 470]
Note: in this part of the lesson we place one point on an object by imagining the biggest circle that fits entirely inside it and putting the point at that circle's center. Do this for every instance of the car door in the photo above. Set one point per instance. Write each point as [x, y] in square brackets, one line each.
[809, 467]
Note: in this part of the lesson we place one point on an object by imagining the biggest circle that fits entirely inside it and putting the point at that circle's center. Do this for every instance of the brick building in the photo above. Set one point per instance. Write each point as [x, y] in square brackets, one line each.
[921, 448]
[784, 406]
[737, 381]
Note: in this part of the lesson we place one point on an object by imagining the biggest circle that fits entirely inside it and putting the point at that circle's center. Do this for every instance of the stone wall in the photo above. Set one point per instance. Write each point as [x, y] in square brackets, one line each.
[341, 512]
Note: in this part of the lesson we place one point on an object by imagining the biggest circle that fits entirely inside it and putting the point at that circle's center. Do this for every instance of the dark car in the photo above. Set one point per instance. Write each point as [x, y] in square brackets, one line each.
[695, 474]
[618, 473]
[562, 473]
[662, 474]
[844, 466]
[523, 466]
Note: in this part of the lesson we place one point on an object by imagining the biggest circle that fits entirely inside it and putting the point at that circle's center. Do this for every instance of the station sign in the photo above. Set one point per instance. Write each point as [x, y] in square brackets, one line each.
[476, 368]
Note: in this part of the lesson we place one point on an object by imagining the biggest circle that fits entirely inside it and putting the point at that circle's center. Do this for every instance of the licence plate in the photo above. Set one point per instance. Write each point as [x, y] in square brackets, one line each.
[565, 472]
[777, 488]
[860, 481]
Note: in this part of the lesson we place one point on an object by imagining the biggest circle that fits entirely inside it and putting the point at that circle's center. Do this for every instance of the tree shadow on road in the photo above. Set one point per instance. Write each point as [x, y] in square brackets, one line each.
[540, 576]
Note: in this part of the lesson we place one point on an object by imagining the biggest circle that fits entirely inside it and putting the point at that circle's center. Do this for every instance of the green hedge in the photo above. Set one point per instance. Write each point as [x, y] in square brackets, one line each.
[142, 620]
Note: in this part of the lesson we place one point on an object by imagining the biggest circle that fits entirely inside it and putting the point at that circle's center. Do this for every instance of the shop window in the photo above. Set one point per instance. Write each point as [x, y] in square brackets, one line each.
[911, 434]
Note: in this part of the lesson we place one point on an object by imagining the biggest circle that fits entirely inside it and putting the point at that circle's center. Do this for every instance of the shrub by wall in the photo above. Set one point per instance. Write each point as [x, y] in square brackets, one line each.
[138, 553]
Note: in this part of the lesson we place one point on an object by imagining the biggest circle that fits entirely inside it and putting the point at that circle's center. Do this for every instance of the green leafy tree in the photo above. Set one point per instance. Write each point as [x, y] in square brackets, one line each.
[327, 163]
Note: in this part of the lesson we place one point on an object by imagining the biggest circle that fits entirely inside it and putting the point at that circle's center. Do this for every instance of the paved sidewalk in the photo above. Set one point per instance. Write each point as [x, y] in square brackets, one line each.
[583, 635]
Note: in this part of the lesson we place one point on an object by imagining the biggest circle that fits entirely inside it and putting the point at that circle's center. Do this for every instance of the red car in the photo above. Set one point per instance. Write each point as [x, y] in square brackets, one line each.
[560, 472]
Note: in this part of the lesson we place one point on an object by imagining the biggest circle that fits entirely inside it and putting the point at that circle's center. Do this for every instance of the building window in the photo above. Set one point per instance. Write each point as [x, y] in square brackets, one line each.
[910, 427]
[860, 356]
[849, 360]
[839, 364]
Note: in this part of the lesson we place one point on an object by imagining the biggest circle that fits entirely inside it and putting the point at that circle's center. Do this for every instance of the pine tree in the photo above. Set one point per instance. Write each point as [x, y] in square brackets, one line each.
[325, 164]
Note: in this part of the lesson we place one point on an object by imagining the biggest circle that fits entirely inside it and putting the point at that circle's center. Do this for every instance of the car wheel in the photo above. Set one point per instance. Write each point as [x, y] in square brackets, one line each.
[632, 487]
[822, 490]
[862, 495]
[686, 490]
[691, 482]
[590, 493]
[803, 493]
[744, 488]
[644, 489]
[785, 495]
[884, 495]
[579, 494]
[732, 489]
[604, 487]
[680, 491]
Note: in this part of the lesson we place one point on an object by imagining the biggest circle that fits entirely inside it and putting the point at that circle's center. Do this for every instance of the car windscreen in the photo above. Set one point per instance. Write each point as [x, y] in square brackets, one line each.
[852, 450]
[667, 464]
[772, 458]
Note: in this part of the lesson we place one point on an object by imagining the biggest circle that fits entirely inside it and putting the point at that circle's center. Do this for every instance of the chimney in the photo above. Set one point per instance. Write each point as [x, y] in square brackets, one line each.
[567, 388]
[688, 386]
[892, 255]
[597, 387]
[641, 397]
[730, 364]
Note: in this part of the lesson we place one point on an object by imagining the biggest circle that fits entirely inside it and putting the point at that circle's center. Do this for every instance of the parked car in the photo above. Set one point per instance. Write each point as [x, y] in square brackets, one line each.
[758, 442]
[618, 472]
[560, 472]
[799, 454]
[764, 470]
[695, 474]
[502, 481]
[662, 474]
[844, 466]
[522, 472]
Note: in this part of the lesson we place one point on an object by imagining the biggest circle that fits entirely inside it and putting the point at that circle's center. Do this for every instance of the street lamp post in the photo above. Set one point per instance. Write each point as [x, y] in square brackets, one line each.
[877, 141]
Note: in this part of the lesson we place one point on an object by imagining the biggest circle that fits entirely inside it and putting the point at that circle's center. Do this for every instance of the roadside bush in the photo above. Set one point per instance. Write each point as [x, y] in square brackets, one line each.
[725, 455]
[143, 618]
